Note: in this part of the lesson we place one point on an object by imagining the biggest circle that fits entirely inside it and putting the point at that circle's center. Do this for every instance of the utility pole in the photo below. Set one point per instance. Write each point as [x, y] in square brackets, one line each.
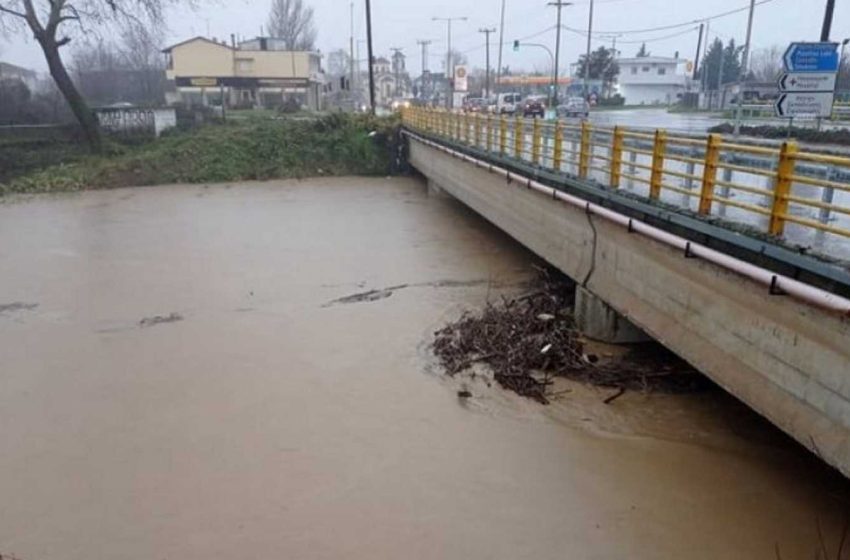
[704, 85]
[369, 62]
[587, 60]
[424, 44]
[486, 31]
[720, 98]
[351, 58]
[501, 44]
[613, 56]
[745, 59]
[699, 47]
[558, 4]
[449, 69]
[827, 20]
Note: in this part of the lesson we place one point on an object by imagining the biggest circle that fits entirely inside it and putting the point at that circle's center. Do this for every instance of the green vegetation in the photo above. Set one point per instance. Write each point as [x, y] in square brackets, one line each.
[838, 136]
[338, 144]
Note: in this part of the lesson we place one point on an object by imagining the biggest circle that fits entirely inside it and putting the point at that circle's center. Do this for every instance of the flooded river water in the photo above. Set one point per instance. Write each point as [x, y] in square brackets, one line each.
[176, 382]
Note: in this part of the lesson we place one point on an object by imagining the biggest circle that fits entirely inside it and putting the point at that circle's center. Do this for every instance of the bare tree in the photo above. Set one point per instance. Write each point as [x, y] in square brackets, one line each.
[130, 69]
[766, 64]
[292, 21]
[54, 23]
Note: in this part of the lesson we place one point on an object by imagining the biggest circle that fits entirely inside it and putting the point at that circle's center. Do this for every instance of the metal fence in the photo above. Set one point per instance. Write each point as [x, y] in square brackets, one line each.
[798, 195]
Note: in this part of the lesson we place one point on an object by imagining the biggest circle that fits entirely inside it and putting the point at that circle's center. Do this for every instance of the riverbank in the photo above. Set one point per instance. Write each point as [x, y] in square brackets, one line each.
[244, 149]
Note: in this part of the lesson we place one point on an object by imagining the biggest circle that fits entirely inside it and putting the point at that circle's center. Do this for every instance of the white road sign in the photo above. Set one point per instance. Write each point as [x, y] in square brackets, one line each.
[807, 81]
[804, 104]
[461, 78]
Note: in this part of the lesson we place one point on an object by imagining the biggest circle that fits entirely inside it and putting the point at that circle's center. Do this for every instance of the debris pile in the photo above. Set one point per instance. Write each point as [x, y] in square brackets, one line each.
[529, 340]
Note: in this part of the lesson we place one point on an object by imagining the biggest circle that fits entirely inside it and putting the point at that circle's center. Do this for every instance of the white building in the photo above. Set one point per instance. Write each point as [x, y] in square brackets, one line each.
[653, 80]
[12, 72]
[391, 79]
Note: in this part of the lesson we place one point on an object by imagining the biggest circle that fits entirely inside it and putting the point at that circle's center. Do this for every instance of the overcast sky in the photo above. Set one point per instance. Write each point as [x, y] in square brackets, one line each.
[399, 23]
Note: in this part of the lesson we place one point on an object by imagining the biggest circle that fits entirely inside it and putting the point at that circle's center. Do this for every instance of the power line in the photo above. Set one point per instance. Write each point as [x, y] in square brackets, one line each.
[639, 41]
[683, 24]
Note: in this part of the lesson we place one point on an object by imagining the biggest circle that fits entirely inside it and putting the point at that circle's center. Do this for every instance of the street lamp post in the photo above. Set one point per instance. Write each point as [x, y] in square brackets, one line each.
[501, 45]
[449, 69]
[559, 4]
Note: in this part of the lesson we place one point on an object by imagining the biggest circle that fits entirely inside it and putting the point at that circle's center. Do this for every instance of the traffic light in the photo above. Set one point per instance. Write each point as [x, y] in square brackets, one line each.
[516, 45]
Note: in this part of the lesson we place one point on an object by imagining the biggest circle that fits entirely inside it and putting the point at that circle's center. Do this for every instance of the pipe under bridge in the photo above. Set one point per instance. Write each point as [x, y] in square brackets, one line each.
[733, 254]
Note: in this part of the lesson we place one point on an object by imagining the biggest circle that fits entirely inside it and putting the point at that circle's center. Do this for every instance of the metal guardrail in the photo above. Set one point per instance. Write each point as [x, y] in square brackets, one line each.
[772, 188]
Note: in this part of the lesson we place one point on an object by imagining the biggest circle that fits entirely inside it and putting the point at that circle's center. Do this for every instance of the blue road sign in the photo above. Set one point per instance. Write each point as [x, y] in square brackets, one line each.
[811, 57]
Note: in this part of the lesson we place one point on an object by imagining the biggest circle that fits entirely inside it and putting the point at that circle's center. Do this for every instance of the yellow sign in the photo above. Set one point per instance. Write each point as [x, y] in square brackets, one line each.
[203, 82]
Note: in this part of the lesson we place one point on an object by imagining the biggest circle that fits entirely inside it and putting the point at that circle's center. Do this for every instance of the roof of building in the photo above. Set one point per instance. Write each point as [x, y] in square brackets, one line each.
[8, 66]
[192, 40]
[651, 59]
[380, 60]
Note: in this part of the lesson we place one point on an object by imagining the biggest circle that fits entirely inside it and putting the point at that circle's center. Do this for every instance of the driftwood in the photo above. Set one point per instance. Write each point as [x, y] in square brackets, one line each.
[528, 340]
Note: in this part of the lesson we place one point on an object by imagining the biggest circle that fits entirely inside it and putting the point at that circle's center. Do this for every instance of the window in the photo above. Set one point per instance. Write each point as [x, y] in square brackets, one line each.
[634, 69]
[662, 71]
[644, 69]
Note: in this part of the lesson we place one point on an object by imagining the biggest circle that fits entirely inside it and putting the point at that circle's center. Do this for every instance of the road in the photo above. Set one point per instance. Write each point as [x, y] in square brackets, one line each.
[242, 371]
[691, 123]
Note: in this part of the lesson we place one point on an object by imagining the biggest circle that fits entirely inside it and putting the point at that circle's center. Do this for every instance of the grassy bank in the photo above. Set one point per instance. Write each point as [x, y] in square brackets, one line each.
[838, 136]
[244, 150]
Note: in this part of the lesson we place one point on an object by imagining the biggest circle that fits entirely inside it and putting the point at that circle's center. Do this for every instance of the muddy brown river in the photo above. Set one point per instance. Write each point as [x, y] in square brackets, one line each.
[184, 374]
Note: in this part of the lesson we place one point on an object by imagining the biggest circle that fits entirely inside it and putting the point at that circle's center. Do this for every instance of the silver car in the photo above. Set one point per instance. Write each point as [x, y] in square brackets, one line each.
[575, 107]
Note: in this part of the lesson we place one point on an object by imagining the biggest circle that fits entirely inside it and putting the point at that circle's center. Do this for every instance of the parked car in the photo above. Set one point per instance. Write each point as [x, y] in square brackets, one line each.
[575, 107]
[507, 103]
[534, 106]
[473, 105]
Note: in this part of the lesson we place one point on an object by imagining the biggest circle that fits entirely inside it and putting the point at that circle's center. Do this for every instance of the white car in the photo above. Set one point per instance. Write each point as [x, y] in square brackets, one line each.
[507, 103]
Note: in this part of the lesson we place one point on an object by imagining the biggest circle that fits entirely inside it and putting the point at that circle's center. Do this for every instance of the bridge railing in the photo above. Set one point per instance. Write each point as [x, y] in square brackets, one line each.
[779, 189]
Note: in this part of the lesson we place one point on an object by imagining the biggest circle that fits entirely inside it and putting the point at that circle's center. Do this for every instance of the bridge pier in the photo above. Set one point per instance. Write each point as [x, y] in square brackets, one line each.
[599, 321]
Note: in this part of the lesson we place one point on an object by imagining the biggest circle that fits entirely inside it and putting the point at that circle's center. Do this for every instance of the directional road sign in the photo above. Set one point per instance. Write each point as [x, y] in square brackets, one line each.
[811, 57]
[804, 104]
[807, 81]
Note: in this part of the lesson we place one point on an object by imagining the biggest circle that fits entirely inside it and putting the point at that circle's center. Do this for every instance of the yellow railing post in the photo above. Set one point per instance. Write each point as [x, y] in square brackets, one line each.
[503, 135]
[488, 121]
[518, 137]
[657, 176]
[586, 147]
[709, 173]
[558, 148]
[782, 190]
[535, 142]
[616, 156]
[477, 118]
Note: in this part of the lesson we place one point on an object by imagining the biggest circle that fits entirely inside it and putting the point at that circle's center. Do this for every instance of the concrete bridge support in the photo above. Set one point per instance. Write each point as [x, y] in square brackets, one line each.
[599, 321]
[786, 359]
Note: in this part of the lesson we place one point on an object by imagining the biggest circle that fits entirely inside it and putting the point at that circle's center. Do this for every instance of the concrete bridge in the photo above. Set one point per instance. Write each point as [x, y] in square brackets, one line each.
[693, 240]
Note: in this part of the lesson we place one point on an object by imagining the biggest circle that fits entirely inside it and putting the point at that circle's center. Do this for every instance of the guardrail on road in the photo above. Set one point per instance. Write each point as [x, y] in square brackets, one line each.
[800, 196]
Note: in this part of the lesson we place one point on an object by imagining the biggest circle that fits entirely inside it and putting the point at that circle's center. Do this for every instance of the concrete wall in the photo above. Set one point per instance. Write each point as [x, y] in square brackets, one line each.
[201, 58]
[788, 361]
